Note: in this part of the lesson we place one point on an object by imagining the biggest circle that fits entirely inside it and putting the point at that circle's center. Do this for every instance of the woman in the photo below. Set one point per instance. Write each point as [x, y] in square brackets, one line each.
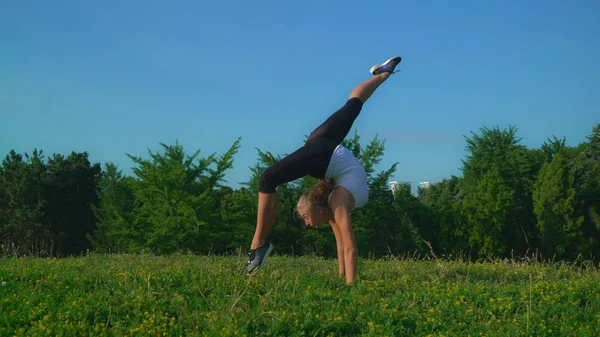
[343, 185]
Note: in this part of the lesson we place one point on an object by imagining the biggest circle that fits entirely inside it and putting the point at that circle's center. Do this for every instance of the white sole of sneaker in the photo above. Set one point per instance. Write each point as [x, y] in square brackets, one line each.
[373, 68]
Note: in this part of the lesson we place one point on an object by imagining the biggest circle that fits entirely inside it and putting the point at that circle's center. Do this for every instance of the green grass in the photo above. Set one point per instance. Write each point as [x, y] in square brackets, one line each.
[143, 295]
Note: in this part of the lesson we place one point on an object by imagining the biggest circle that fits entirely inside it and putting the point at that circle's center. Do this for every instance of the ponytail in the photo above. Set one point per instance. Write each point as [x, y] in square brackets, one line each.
[316, 196]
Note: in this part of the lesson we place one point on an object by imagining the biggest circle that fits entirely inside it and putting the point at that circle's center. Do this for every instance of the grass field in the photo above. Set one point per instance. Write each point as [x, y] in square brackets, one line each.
[144, 295]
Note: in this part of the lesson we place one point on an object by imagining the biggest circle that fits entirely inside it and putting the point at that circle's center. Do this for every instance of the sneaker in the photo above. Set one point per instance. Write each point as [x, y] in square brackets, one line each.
[387, 67]
[257, 257]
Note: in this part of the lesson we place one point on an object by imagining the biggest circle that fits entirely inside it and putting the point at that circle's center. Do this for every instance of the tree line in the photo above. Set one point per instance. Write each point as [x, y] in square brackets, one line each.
[510, 201]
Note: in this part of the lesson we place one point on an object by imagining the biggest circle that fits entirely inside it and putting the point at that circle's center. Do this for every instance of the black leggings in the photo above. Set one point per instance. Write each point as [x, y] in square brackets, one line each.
[313, 158]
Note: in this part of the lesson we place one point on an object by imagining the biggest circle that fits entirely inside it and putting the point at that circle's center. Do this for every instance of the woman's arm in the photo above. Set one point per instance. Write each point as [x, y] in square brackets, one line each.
[341, 203]
[342, 218]
[340, 247]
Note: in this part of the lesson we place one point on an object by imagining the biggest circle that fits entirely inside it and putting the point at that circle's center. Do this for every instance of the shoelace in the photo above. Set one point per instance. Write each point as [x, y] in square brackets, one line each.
[251, 256]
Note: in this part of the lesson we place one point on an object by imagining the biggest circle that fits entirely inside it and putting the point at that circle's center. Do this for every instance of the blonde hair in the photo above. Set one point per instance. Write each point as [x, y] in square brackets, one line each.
[316, 196]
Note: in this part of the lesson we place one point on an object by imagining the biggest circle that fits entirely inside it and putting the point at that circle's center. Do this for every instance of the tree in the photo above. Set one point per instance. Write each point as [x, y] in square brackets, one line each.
[488, 209]
[555, 208]
[587, 177]
[552, 147]
[70, 192]
[445, 200]
[176, 206]
[114, 231]
[497, 163]
[169, 199]
[592, 150]
[591, 196]
[238, 214]
[22, 222]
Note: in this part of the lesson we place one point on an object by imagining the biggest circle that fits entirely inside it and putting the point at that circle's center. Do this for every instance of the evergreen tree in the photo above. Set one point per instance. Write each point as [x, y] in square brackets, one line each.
[445, 201]
[175, 207]
[22, 223]
[114, 231]
[555, 208]
[588, 182]
[70, 192]
[496, 163]
[488, 209]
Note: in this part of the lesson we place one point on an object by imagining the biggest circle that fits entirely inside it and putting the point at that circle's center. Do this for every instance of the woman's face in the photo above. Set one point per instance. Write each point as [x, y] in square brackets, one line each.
[317, 218]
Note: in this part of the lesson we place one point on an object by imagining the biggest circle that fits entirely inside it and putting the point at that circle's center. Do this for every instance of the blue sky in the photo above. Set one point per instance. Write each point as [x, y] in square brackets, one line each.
[117, 77]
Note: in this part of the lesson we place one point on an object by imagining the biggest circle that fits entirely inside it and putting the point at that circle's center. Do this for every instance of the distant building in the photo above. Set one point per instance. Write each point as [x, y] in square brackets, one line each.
[424, 185]
[395, 184]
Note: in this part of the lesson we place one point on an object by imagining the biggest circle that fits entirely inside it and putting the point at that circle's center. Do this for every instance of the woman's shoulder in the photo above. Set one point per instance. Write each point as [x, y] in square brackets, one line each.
[341, 196]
